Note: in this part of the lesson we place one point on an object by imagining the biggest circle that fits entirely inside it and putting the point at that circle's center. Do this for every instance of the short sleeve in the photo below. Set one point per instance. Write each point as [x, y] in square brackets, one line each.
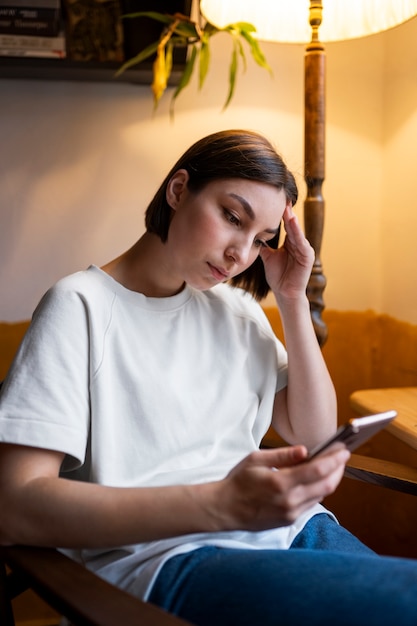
[45, 397]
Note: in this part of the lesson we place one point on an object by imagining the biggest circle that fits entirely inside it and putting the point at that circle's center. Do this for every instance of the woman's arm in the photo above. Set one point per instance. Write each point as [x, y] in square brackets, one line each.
[306, 411]
[40, 508]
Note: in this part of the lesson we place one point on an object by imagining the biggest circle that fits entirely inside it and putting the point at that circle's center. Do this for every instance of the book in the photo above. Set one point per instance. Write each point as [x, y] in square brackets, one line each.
[94, 30]
[27, 46]
[30, 17]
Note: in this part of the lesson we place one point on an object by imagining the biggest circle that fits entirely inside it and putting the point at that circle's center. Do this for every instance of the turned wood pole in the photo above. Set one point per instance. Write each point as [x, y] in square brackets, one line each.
[314, 161]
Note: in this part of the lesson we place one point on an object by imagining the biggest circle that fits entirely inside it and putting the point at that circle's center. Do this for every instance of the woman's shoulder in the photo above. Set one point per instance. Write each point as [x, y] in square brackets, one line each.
[90, 278]
[75, 292]
[87, 283]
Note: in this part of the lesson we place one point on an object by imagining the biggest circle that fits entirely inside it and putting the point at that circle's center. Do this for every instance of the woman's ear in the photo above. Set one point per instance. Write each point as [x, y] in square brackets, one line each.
[176, 187]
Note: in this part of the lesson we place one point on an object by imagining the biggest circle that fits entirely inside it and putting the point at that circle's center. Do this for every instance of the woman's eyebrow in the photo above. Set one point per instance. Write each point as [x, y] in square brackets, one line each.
[250, 212]
[245, 205]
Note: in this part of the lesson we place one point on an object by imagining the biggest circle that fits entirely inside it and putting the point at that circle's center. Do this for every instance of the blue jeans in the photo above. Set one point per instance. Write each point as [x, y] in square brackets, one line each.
[327, 578]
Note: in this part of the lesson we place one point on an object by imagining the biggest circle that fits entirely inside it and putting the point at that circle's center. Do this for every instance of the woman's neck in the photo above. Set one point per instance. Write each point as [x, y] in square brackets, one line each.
[145, 268]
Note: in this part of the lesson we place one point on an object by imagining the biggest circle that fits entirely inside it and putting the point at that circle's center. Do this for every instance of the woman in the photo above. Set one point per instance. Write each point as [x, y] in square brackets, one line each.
[150, 383]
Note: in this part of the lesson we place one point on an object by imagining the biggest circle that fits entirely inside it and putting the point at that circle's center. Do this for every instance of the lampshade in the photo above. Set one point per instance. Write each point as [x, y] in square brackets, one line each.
[287, 20]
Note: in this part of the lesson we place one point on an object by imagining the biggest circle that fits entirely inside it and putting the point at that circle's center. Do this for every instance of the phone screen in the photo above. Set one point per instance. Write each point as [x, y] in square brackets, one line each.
[356, 431]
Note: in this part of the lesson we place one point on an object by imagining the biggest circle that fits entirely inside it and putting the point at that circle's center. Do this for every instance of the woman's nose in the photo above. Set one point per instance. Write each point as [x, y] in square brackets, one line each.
[239, 252]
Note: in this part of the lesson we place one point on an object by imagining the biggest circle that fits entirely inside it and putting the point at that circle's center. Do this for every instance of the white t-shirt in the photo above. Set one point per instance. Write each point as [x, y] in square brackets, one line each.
[141, 391]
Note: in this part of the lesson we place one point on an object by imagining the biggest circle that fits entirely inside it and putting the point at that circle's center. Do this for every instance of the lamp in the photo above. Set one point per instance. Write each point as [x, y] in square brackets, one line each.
[299, 21]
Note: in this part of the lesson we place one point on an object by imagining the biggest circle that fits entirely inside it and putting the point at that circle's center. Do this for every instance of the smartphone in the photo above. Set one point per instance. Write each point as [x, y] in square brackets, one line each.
[356, 431]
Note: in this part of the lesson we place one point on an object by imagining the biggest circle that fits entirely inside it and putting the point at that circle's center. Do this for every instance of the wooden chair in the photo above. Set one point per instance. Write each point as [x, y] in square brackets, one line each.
[381, 472]
[72, 590]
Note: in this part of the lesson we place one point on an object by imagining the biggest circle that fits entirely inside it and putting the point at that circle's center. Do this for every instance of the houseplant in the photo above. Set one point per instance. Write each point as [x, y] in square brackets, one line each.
[180, 30]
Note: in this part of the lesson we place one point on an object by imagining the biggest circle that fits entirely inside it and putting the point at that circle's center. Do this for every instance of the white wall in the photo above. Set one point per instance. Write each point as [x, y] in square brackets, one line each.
[399, 207]
[351, 247]
[80, 161]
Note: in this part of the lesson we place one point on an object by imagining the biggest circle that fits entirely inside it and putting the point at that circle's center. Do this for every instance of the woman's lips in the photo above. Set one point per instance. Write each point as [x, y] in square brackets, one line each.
[217, 272]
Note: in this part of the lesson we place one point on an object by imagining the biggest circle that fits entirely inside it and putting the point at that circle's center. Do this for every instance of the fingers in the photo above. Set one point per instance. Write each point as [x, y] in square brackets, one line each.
[310, 482]
[316, 470]
[290, 265]
[291, 223]
[294, 234]
[288, 214]
[291, 456]
[287, 456]
[259, 498]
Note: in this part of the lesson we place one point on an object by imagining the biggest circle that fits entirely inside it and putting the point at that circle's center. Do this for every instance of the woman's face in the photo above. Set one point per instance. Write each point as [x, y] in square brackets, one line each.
[218, 232]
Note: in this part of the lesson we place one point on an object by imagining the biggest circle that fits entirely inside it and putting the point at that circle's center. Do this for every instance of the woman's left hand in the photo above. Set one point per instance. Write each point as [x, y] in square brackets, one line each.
[288, 269]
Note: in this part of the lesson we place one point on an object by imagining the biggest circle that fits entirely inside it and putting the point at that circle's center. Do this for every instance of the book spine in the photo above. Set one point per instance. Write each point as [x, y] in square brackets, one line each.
[27, 46]
[33, 54]
[28, 21]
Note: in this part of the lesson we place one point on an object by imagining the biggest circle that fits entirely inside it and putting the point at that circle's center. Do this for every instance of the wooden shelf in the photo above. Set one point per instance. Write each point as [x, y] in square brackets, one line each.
[137, 35]
[64, 69]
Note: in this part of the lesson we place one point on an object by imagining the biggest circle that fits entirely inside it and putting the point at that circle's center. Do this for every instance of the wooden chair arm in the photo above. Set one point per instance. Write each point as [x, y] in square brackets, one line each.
[383, 473]
[75, 592]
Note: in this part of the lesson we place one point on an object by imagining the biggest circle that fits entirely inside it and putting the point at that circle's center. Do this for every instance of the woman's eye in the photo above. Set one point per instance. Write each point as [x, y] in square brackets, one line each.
[260, 244]
[231, 217]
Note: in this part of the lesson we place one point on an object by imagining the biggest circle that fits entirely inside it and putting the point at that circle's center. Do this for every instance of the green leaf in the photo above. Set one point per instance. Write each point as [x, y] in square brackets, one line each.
[187, 29]
[209, 30]
[256, 51]
[185, 77]
[239, 46]
[169, 58]
[232, 76]
[159, 17]
[204, 62]
[245, 27]
[160, 76]
[144, 54]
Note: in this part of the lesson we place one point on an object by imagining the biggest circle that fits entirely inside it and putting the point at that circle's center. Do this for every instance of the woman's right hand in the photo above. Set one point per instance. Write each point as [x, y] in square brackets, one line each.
[254, 496]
